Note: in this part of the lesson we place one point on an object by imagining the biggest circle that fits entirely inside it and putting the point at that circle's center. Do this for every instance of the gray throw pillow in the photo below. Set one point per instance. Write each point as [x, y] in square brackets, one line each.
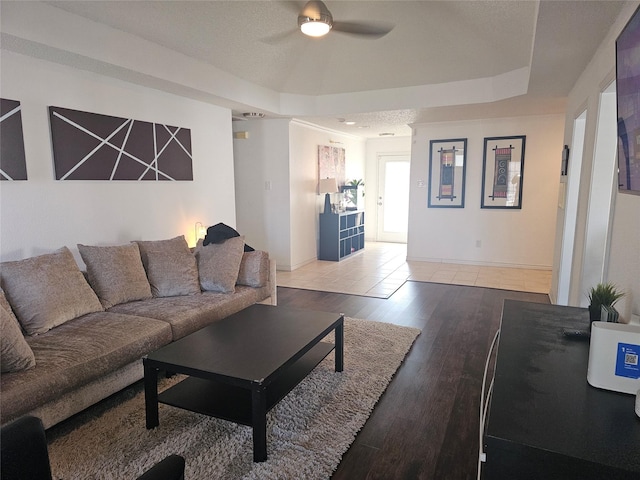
[47, 290]
[171, 267]
[254, 269]
[4, 303]
[116, 273]
[15, 352]
[219, 264]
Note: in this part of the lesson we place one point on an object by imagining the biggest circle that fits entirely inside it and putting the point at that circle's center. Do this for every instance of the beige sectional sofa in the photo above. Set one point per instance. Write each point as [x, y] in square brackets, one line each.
[71, 339]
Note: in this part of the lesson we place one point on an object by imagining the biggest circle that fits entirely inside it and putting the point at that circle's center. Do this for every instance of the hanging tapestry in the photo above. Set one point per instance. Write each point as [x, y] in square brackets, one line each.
[90, 146]
[503, 157]
[13, 165]
[447, 171]
[502, 175]
[447, 177]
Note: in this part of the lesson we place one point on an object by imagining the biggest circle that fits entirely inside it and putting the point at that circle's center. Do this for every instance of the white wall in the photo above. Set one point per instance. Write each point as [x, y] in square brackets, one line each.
[623, 266]
[507, 237]
[624, 257]
[262, 186]
[306, 204]
[283, 154]
[41, 214]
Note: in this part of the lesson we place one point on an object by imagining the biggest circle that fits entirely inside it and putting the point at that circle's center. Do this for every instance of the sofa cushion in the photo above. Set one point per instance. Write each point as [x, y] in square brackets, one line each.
[171, 267]
[116, 273]
[219, 264]
[254, 269]
[15, 353]
[47, 290]
[189, 313]
[76, 353]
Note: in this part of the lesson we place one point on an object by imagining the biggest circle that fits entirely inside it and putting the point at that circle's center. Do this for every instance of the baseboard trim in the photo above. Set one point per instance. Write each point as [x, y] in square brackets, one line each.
[481, 264]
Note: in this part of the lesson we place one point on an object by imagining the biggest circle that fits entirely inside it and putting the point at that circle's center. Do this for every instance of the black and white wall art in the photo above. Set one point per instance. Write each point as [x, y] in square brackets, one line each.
[90, 146]
[13, 165]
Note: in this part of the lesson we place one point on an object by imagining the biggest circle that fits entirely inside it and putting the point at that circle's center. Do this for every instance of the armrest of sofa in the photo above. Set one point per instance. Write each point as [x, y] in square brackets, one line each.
[273, 286]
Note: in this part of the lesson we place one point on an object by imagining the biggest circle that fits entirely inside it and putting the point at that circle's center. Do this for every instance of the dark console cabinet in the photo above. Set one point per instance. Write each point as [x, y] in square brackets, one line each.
[544, 420]
[341, 234]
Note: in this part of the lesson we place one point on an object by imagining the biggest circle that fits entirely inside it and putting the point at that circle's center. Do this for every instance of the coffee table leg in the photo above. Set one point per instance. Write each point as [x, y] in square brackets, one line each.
[259, 422]
[340, 345]
[151, 395]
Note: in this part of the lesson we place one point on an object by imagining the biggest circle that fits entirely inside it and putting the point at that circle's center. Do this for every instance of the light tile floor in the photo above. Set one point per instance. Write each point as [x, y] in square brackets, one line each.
[382, 268]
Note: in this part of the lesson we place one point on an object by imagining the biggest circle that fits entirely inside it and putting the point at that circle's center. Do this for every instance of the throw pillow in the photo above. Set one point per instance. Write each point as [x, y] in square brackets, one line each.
[15, 352]
[219, 264]
[254, 269]
[47, 290]
[4, 303]
[116, 273]
[171, 267]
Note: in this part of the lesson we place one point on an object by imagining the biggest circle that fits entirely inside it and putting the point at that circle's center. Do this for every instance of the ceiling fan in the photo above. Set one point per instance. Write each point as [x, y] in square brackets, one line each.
[315, 20]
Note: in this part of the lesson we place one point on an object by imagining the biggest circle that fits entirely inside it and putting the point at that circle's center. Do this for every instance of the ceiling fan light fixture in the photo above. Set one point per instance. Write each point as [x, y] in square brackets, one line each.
[315, 28]
[316, 19]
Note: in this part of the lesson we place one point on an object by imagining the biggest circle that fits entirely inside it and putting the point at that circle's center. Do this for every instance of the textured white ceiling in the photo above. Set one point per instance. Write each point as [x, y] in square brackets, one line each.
[433, 42]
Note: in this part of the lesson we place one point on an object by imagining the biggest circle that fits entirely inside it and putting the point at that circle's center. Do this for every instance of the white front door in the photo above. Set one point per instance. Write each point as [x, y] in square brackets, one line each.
[393, 198]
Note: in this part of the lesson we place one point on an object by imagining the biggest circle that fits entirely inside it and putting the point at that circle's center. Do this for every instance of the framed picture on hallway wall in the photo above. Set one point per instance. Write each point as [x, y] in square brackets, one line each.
[447, 172]
[331, 163]
[502, 172]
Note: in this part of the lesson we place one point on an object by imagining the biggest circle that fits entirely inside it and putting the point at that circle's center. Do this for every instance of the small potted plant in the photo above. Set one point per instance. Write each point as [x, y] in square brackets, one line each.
[354, 191]
[602, 294]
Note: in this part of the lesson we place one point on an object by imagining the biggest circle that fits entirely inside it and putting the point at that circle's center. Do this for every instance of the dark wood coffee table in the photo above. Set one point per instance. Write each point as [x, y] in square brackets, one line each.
[242, 366]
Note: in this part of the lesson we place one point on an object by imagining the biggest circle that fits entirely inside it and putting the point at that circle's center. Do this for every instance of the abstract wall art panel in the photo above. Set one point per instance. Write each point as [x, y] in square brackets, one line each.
[90, 146]
[331, 163]
[13, 165]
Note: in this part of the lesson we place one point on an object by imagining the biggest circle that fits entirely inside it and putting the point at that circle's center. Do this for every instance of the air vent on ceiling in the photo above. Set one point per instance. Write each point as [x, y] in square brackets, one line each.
[253, 115]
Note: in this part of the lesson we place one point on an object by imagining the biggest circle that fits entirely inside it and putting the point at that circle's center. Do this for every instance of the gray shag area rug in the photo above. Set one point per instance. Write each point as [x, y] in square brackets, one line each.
[307, 432]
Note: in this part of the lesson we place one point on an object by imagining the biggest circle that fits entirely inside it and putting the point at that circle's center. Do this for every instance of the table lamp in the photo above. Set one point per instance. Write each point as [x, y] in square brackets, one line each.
[327, 186]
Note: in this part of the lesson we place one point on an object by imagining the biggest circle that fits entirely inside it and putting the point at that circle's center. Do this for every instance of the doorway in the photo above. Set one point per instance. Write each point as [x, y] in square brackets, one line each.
[571, 209]
[393, 198]
[601, 194]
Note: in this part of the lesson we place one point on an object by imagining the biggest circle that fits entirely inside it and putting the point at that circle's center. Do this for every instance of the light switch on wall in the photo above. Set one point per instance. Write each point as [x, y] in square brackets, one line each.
[267, 185]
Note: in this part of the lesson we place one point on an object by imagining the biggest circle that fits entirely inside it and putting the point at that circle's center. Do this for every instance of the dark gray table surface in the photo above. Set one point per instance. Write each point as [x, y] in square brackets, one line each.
[542, 409]
[268, 343]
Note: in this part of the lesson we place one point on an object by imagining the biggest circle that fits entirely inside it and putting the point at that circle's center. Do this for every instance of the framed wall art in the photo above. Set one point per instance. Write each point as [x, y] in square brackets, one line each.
[447, 172]
[564, 169]
[331, 163]
[13, 164]
[91, 146]
[628, 106]
[502, 172]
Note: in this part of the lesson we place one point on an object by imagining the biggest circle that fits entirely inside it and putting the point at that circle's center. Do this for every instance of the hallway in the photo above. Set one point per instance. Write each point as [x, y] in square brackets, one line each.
[382, 268]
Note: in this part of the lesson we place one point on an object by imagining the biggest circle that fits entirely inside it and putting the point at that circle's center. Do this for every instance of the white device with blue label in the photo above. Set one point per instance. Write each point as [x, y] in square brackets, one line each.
[614, 357]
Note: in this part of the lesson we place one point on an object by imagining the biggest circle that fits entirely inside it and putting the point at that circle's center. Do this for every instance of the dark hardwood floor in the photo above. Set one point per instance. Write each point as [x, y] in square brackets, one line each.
[426, 424]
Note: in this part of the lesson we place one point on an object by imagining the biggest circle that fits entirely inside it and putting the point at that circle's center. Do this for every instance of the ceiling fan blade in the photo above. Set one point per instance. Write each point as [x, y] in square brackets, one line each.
[279, 37]
[370, 30]
[293, 7]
